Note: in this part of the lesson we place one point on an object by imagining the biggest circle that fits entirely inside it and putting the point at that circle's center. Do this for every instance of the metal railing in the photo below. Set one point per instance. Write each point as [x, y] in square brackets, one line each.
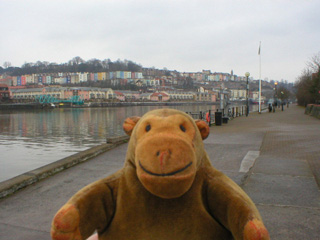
[226, 114]
[46, 99]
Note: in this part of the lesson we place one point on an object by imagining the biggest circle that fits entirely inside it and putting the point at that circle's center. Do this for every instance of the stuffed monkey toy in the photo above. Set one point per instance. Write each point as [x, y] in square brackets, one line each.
[167, 189]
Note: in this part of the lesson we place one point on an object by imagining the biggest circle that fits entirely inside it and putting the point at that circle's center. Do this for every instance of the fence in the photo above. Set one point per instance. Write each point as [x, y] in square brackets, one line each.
[226, 114]
[46, 99]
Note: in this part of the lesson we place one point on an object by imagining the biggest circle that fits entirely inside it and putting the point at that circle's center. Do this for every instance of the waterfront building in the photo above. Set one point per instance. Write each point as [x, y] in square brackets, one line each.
[120, 96]
[99, 93]
[145, 96]
[205, 97]
[179, 95]
[32, 93]
[159, 97]
[130, 95]
[236, 94]
[86, 93]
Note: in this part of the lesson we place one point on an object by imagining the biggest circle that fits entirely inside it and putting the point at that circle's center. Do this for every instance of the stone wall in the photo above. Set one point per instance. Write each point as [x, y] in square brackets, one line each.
[313, 110]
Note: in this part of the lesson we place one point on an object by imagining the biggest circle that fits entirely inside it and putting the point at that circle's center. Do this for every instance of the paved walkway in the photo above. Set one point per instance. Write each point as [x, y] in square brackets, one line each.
[283, 148]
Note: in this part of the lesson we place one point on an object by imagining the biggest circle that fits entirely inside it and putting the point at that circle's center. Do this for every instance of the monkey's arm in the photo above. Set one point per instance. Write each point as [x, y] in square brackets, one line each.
[233, 208]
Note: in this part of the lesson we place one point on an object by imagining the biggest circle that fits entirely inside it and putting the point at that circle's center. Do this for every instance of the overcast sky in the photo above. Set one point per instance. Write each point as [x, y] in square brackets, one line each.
[187, 36]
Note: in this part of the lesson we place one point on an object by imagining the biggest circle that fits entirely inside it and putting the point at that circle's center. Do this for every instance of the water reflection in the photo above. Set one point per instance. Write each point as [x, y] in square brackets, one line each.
[31, 139]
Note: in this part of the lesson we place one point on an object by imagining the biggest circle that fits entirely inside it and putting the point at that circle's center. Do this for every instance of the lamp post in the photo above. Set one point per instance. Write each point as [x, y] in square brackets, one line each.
[247, 74]
[275, 94]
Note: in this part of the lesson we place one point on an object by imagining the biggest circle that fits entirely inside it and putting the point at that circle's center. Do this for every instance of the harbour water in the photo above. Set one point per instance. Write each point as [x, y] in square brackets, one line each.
[33, 138]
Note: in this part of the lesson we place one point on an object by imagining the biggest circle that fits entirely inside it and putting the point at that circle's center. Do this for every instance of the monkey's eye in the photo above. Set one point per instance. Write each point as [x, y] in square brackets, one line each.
[148, 128]
[183, 129]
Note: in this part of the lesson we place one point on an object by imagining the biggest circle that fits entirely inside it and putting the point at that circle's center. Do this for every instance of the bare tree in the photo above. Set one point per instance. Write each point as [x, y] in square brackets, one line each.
[7, 64]
[308, 83]
[76, 61]
[314, 63]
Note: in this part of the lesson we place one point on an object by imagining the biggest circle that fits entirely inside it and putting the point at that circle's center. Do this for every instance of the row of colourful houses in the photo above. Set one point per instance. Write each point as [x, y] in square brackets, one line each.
[121, 78]
[75, 78]
[208, 76]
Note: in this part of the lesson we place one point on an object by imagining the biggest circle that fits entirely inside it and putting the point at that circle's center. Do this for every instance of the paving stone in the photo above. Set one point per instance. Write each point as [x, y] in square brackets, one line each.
[296, 223]
[283, 190]
[282, 166]
[17, 233]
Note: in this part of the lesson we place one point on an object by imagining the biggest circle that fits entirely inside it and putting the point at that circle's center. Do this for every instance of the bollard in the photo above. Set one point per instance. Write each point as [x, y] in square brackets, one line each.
[218, 118]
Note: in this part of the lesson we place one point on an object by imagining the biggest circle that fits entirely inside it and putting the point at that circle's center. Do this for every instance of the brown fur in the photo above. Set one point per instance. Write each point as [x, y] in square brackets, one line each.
[167, 189]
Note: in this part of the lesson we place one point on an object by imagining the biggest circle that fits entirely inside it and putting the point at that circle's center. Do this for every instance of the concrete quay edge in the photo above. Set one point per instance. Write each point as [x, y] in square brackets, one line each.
[14, 184]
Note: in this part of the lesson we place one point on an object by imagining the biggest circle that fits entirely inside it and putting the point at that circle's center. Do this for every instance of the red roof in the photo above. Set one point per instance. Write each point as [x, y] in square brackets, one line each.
[157, 94]
[118, 93]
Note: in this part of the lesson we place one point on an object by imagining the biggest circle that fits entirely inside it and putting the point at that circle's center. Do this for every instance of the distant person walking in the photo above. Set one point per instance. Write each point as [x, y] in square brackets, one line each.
[274, 106]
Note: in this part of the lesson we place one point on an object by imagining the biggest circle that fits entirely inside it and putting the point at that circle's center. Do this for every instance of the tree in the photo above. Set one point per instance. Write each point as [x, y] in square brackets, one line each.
[303, 85]
[314, 63]
[315, 87]
[283, 93]
[76, 61]
[308, 83]
[105, 63]
[7, 64]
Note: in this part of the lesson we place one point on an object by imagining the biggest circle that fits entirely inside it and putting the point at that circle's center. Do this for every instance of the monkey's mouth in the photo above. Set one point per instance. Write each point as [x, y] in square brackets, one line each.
[165, 174]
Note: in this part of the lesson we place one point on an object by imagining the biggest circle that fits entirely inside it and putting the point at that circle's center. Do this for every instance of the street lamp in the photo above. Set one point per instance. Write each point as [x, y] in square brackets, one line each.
[275, 94]
[247, 74]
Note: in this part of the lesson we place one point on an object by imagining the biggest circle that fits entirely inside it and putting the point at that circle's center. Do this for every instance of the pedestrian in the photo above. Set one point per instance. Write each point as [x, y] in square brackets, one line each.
[274, 106]
[270, 107]
[208, 118]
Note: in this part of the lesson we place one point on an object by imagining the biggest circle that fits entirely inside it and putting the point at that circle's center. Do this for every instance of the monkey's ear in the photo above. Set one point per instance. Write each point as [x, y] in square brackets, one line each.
[129, 124]
[203, 128]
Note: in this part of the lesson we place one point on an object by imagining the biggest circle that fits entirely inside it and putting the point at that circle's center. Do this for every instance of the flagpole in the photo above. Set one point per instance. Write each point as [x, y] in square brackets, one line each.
[260, 77]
